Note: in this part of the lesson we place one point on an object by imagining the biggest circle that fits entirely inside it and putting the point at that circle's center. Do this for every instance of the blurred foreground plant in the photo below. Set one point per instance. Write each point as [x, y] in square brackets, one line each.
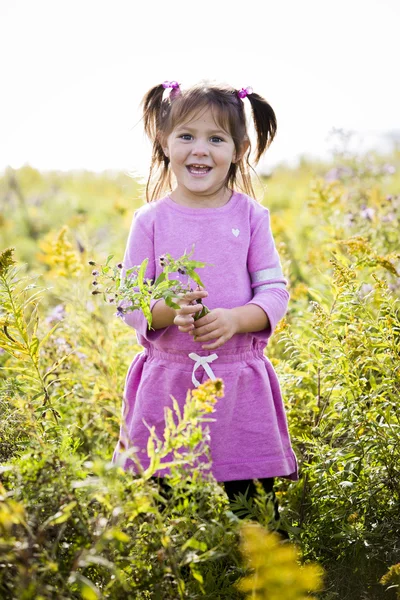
[276, 574]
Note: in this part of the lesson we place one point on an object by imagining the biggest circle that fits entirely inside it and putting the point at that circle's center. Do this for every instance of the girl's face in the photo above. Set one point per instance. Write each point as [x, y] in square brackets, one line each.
[200, 154]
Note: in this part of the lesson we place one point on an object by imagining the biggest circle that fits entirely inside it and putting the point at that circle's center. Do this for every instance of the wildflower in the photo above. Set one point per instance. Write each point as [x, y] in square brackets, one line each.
[163, 261]
[367, 213]
[392, 576]
[182, 271]
[6, 260]
[365, 289]
[119, 265]
[57, 314]
[95, 282]
[353, 517]
[389, 217]
[390, 169]
[91, 262]
[94, 273]
[349, 219]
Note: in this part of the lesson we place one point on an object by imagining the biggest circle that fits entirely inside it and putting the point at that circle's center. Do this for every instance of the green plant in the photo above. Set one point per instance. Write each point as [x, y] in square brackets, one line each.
[132, 291]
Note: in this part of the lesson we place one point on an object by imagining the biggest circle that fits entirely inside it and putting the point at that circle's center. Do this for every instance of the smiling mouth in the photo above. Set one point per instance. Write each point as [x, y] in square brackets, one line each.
[198, 170]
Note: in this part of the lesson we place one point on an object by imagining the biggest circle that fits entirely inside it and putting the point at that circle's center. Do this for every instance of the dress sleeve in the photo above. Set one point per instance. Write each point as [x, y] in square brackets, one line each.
[140, 246]
[267, 280]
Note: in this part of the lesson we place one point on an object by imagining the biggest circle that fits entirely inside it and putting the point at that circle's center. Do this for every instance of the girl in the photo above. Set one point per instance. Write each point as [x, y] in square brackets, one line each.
[199, 135]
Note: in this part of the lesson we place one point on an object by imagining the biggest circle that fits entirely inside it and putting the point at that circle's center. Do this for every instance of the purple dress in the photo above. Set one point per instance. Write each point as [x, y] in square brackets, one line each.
[249, 438]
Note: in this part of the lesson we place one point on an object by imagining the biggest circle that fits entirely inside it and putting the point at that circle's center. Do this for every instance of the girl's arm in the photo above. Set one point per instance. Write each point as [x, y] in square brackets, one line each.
[270, 297]
[162, 315]
[140, 246]
[249, 318]
[267, 280]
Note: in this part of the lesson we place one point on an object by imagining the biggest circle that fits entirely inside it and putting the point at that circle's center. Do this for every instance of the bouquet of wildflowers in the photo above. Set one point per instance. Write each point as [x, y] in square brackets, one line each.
[134, 292]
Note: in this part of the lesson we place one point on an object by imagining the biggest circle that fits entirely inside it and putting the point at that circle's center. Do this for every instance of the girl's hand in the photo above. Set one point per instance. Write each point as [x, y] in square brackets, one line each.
[219, 324]
[184, 316]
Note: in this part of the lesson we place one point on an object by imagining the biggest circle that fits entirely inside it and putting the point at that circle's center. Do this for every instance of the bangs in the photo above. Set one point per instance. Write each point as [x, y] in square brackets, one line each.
[192, 104]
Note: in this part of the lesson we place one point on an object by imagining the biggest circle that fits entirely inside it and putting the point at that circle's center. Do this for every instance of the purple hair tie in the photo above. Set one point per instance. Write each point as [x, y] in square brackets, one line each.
[175, 91]
[170, 84]
[245, 92]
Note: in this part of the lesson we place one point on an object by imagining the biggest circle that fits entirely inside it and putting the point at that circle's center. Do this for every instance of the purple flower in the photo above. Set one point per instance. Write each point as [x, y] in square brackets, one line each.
[389, 217]
[337, 173]
[57, 314]
[367, 213]
[94, 273]
[365, 289]
[390, 169]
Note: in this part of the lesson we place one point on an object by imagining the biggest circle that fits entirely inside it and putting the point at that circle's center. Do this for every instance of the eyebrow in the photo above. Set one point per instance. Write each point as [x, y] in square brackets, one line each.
[183, 127]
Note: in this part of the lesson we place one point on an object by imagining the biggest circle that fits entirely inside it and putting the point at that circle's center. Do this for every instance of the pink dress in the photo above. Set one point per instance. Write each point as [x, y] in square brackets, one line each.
[249, 438]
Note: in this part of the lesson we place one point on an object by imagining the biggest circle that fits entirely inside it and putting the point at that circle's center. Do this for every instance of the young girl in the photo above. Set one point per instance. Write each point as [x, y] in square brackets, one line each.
[200, 135]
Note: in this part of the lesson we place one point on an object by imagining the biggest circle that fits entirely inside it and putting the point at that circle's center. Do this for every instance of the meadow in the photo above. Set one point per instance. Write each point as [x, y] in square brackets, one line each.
[72, 525]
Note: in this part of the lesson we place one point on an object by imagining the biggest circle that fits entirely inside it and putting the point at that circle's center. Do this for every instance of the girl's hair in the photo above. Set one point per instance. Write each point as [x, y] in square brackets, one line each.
[161, 116]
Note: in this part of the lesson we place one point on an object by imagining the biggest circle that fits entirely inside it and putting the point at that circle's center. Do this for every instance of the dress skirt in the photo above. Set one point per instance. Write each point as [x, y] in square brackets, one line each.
[249, 438]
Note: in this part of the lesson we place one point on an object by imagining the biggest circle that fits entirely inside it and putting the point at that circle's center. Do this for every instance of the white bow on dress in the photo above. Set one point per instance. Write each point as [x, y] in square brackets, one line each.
[203, 362]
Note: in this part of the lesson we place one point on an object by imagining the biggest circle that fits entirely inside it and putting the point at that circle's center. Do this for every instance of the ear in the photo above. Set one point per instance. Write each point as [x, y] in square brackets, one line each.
[243, 149]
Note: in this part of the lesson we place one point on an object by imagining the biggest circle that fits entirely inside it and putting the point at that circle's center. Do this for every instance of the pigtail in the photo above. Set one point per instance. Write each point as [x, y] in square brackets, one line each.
[264, 122]
[152, 103]
[154, 109]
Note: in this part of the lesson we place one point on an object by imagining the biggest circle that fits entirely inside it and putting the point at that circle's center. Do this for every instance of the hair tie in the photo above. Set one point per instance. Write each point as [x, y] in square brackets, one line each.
[170, 84]
[175, 91]
[245, 92]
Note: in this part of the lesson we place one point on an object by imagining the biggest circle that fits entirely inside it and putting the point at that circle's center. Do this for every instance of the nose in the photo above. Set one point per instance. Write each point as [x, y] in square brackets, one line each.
[200, 148]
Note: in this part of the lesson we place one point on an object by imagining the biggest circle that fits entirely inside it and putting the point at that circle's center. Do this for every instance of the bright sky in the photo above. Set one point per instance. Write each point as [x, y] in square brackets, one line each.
[74, 72]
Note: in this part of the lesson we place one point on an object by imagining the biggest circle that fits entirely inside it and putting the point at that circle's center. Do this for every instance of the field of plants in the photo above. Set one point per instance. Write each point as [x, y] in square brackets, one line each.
[75, 526]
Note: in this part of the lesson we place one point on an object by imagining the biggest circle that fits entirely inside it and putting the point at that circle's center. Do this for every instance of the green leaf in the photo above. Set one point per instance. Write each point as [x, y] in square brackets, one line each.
[171, 303]
[159, 279]
[48, 334]
[34, 347]
[196, 573]
[196, 544]
[196, 278]
[141, 272]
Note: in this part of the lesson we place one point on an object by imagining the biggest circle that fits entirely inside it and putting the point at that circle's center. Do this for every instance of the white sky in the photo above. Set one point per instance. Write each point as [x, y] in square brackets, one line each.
[73, 72]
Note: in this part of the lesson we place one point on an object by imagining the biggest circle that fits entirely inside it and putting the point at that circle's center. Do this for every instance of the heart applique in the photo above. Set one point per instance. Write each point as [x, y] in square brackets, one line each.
[235, 232]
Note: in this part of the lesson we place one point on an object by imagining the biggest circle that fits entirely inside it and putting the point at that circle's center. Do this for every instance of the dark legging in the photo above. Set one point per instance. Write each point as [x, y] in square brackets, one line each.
[233, 488]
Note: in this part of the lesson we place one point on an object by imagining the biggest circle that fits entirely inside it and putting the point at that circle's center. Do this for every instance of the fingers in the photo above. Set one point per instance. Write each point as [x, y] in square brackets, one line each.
[189, 309]
[207, 336]
[189, 297]
[184, 317]
[219, 342]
